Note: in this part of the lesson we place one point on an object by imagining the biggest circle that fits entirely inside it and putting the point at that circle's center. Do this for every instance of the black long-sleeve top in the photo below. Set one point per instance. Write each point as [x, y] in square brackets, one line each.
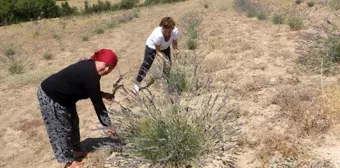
[75, 82]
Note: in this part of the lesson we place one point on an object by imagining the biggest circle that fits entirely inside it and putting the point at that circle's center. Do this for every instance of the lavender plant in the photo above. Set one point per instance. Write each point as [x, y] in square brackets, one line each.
[190, 23]
[172, 129]
[13, 61]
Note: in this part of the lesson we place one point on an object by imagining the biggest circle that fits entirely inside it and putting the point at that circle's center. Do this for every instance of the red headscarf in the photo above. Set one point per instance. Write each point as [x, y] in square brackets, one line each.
[107, 56]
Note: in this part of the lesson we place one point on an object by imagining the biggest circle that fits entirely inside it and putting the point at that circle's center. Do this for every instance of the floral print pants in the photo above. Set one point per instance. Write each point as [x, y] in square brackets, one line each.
[62, 126]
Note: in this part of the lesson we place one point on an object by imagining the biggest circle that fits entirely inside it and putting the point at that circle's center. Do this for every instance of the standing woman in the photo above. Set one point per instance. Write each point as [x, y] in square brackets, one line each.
[58, 95]
[158, 44]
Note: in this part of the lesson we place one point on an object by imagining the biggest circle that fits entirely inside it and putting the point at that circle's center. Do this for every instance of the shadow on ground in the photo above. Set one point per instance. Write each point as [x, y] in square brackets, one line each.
[92, 144]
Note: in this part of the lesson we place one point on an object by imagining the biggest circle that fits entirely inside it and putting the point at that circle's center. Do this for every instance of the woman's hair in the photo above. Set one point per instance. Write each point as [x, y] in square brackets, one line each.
[167, 22]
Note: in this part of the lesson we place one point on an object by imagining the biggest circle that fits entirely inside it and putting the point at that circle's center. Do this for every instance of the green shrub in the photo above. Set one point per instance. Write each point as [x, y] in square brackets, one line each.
[126, 17]
[47, 56]
[192, 43]
[135, 13]
[191, 22]
[99, 31]
[177, 81]
[251, 9]
[298, 1]
[56, 36]
[295, 23]
[128, 4]
[111, 24]
[192, 35]
[261, 15]
[325, 52]
[192, 31]
[27, 10]
[278, 19]
[251, 13]
[152, 2]
[170, 140]
[9, 51]
[169, 129]
[101, 6]
[335, 4]
[310, 3]
[335, 50]
[67, 10]
[16, 67]
[85, 38]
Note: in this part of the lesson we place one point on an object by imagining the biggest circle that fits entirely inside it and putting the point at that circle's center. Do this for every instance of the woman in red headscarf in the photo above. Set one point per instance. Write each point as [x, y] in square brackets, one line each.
[58, 95]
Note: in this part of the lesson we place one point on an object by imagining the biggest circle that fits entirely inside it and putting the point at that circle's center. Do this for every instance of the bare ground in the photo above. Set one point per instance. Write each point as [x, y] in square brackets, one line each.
[256, 60]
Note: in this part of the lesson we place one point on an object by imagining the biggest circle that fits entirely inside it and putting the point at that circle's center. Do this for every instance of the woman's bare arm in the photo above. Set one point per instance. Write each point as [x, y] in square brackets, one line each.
[175, 44]
[158, 50]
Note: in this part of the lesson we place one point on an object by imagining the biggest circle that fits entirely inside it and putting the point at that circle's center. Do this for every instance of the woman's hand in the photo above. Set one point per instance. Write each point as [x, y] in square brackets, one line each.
[111, 132]
[160, 54]
[176, 52]
[108, 96]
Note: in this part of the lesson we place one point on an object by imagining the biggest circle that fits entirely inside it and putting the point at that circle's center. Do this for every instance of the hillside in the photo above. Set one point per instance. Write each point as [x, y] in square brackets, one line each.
[287, 113]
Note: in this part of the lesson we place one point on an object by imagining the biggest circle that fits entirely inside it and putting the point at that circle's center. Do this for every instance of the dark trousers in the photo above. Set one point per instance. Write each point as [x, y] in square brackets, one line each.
[149, 56]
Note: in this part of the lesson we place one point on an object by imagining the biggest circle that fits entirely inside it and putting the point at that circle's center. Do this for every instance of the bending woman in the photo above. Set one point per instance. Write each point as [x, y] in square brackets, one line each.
[158, 44]
[58, 95]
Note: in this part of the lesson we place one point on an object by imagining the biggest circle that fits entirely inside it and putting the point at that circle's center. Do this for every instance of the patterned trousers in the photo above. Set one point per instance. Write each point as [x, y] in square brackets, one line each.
[62, 126]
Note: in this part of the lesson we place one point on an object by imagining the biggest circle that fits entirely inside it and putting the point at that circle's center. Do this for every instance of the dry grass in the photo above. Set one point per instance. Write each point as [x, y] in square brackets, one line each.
[12, 59]
[258, 83]
[310, 3]
[332, 101]
[335, 4]
[278, 19]
[206, 3]
[304, 110]
[323, 51]
[28, 127]
[283, 151]
[29, 77]
[281, 3]
[97, 158]
[286, 151]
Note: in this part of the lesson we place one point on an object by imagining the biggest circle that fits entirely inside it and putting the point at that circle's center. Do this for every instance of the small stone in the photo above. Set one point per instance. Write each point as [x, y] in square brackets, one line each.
[218, 163]
[146, 165]
[227, 148]
[209, 166]
[273, 81]
[218, 158]
[290, 70]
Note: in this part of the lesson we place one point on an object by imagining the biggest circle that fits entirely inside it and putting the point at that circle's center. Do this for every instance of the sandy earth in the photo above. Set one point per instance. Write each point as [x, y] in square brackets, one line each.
[255, 60]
